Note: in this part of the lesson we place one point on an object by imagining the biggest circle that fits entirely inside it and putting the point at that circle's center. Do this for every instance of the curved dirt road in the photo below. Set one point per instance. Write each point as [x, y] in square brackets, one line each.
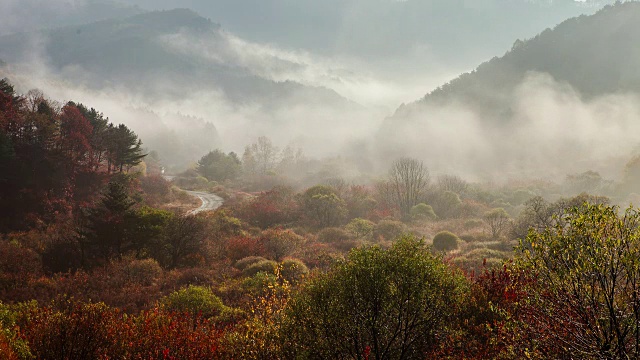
[209, 201]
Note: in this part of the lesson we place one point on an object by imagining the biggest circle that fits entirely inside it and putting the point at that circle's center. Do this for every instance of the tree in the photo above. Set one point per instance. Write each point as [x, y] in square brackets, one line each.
[108, 234]
[75, 132]
[124, 148]
[498, 221]
[380, 304]
[408, 180]
[452, 183]
[185, 235]
[219, 166]
[588, 283]
[266, 154]
[323, 207]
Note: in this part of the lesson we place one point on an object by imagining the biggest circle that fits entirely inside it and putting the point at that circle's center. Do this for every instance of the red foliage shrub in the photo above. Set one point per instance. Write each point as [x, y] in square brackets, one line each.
[239, 247]
[271, 208]
[156, 188]
[95, 331]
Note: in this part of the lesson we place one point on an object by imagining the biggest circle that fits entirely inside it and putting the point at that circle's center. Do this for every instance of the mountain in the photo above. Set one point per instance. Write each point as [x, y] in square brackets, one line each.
[31, 15]
[594, 55]
[451, 31]
[157, 54]
[564, 102]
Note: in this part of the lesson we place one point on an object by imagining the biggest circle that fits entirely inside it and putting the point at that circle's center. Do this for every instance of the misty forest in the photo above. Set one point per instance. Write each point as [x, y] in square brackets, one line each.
[337, 179]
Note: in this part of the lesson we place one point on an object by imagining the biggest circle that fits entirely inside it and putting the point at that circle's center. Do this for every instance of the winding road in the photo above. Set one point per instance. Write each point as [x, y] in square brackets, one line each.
[209, 201]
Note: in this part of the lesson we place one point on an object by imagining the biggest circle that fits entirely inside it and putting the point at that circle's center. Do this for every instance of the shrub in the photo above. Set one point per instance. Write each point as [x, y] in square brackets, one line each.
[445, 241]
[279, 243]
[266, 266]
[360, 227]
[293, 270]
[388, 230]
[155, 187]
[248, 261]
[323, 207]
[196, 300]
[422, 211]
[333, 235]
[143, 272]
[240, 247]
[472, 223]
[485, 253]
[446, 204]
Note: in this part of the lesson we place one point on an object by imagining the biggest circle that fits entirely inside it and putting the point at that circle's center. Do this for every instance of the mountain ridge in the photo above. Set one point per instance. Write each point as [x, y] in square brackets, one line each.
[597, 45]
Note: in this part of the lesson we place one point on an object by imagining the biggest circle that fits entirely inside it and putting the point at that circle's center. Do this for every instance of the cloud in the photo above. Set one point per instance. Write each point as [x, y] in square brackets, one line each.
[553, 132]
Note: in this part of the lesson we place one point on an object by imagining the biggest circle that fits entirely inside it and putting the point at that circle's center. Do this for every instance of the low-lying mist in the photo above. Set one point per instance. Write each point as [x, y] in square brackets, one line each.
[549, 132]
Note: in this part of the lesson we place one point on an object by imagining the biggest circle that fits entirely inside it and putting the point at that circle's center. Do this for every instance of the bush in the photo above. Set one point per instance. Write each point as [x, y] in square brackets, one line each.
[293, 270]
[196, 300]
[333, 235]
[143, 272]
[248, 261]
[422, 211]
[360, 227]
[279, 243]
[485, 253]
[446, 204]
[445, 241]
[472, 223]
[388, 230]
[240, 247]
[265, 266]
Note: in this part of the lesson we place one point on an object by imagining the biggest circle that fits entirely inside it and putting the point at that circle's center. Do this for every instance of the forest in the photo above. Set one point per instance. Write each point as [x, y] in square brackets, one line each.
[494, 218]
[102, 260]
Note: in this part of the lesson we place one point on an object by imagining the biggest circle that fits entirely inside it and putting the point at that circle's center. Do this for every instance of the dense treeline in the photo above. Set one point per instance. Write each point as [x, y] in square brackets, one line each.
[53, 159]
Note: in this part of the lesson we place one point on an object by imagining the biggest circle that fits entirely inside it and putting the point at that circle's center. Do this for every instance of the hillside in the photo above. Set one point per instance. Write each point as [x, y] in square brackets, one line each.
[32, 15]
[147, 54]
[595, 55]
[452, 31]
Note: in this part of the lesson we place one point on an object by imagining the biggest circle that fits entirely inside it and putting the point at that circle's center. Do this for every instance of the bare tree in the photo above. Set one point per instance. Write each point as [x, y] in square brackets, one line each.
[452, 183]
[498, 220]
[408, 181]
[265, 154]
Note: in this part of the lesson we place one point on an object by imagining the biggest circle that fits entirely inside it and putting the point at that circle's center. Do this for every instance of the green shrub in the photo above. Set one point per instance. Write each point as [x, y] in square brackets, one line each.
[422, 211]
[259, 283]
[472, 224]
[265, 266]
[333, 235]
[196, 300]
[484, 253]
[501, 245]
[360, 227]
[293, 270]
[445, 241]
[388, 230]
[446, 204]
[248, 261]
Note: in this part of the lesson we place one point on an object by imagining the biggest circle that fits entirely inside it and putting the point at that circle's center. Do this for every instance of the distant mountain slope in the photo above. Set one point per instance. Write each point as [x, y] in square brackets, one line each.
[595, 55]
[30, 15]
[151, 54]
[452, 31]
